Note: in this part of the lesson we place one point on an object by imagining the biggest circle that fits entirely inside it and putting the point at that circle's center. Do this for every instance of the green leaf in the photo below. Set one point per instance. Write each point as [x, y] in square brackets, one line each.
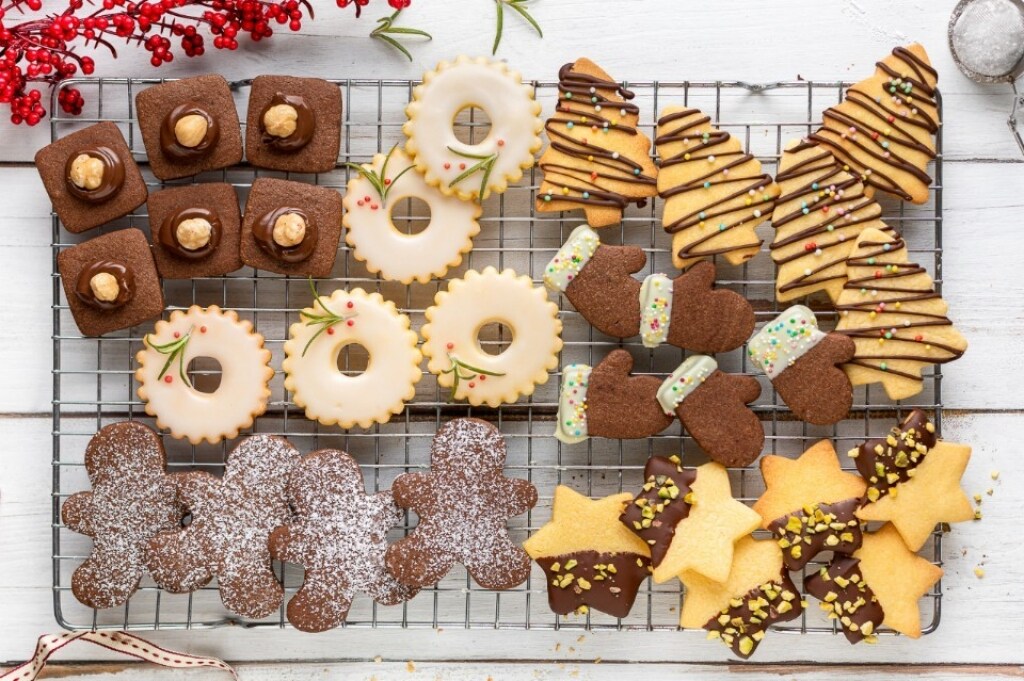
[501, 24]
[515, 4]
[386, 29]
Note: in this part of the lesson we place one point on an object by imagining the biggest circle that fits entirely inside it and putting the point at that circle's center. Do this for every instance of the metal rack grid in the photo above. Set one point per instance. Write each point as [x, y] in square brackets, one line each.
[93, 384]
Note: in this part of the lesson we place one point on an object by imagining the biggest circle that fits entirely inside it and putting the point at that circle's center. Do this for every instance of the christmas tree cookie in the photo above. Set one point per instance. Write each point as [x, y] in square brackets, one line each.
[820, 211]
[597, 159]
[884, 130]
[890, 308]
[715, 193]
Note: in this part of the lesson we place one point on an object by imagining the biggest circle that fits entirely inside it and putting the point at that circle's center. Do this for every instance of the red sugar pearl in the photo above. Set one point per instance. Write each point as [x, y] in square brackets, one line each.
[482, 377]
[350, 304]
[168, 379]
[202, 329]
[387, 181]
[810, 246]
[472, 384]
[366, 199]
[501, 143]
[447, 166]
[462, 166]
[919, 338]
[451, 345]
[330, 330]
[177, 334]
[350, 323]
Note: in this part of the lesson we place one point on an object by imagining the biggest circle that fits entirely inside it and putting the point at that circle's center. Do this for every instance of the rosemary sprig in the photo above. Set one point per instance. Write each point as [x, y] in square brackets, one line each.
[175, 350]
[484, 163]
[386, 29]
[458, 368]
[518, 6]
[325, 321]
[380, 181]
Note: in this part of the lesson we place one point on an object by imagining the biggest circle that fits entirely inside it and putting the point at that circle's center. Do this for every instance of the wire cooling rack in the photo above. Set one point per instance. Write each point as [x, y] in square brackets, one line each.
[93, 384]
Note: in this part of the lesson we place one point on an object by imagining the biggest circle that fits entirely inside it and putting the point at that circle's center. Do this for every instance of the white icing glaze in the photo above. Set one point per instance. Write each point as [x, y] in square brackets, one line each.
[469, 304]
[784, 340]
[571, 426]
[245, 375]
[655, 309]
[515, 125]
[687, 377]
[395, 255]
[331, 397]
[572, 257]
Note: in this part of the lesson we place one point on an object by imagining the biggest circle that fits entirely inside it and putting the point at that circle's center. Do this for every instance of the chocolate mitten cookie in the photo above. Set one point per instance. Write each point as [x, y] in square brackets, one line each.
[338, 536]
[606, 401]
[463, 504]
[232, 518]
[804, 365]
[132, 499]
[713, 406]
[597, 281]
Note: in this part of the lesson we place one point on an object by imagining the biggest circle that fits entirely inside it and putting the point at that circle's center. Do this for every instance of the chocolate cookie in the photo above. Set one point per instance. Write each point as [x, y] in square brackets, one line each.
[195, 230]
[189, 126]
[607, 402]
[713, 406]
[291, 228]
[130, 502]
[463, 504]
[338, 535]
[804, 365]
[293, 124]
[707, 320]
[111, 282]
[91, 177]
[232, 518]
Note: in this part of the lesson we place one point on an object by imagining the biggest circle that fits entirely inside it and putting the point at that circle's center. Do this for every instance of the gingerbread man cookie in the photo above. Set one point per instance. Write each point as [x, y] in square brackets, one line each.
[132, 499]
[463, 504]
[232, 518]
[338, 535]
[803, 365]
[713, 406]
[606, 401]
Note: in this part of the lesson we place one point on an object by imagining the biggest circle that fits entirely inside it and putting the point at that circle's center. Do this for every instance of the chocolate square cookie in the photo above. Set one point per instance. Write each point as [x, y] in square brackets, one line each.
[111, 282]
[189, 126]
[91, 177]
[294, 124]
[291, 228]
[195, 230]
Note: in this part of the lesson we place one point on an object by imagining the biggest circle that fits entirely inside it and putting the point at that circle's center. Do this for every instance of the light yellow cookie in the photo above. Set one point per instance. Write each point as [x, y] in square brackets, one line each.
[820, 211]
[898, 322]
[311, 359]
[451, 337]
[597, 159]
[371, 197]
[885, 128]
[715, 193]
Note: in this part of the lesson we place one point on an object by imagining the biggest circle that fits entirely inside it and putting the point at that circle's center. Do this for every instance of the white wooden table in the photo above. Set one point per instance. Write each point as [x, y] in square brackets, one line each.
[982, 619]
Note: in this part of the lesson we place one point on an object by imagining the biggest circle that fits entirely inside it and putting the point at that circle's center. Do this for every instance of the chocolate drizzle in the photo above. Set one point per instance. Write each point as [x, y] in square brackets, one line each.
[121, 272]
[305, 124]
[805, 533]
[661, 505]
[110, 183]
[169, 233]
[591, 102]
[742, 625]
[590, 579]
[904, 103]
[881, 280]
[263, 231]
[175, 150]
[831, 200]
[709, 148]
[885, 462]
[846, 597]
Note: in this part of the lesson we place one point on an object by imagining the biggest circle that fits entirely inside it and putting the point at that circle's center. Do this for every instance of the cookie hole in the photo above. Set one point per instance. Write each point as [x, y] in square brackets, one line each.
[472, 125]
[410, 215]
[204, 373]
[494, 338]
[353, 359]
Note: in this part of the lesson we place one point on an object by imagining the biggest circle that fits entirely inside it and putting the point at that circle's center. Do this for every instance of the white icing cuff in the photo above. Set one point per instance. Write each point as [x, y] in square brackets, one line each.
[571, 258]
[572, 404]
[655, 309]
[687, 377]
[784, 340]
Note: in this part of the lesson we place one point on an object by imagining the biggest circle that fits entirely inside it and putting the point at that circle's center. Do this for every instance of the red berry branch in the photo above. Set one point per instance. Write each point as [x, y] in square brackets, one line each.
[46, 51]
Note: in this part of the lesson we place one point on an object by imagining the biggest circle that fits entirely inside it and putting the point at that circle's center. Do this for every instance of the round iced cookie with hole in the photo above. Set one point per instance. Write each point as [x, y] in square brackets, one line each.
[316, 341]
[370, 204]
[167, 390]
[472, 171]
[452, 337]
